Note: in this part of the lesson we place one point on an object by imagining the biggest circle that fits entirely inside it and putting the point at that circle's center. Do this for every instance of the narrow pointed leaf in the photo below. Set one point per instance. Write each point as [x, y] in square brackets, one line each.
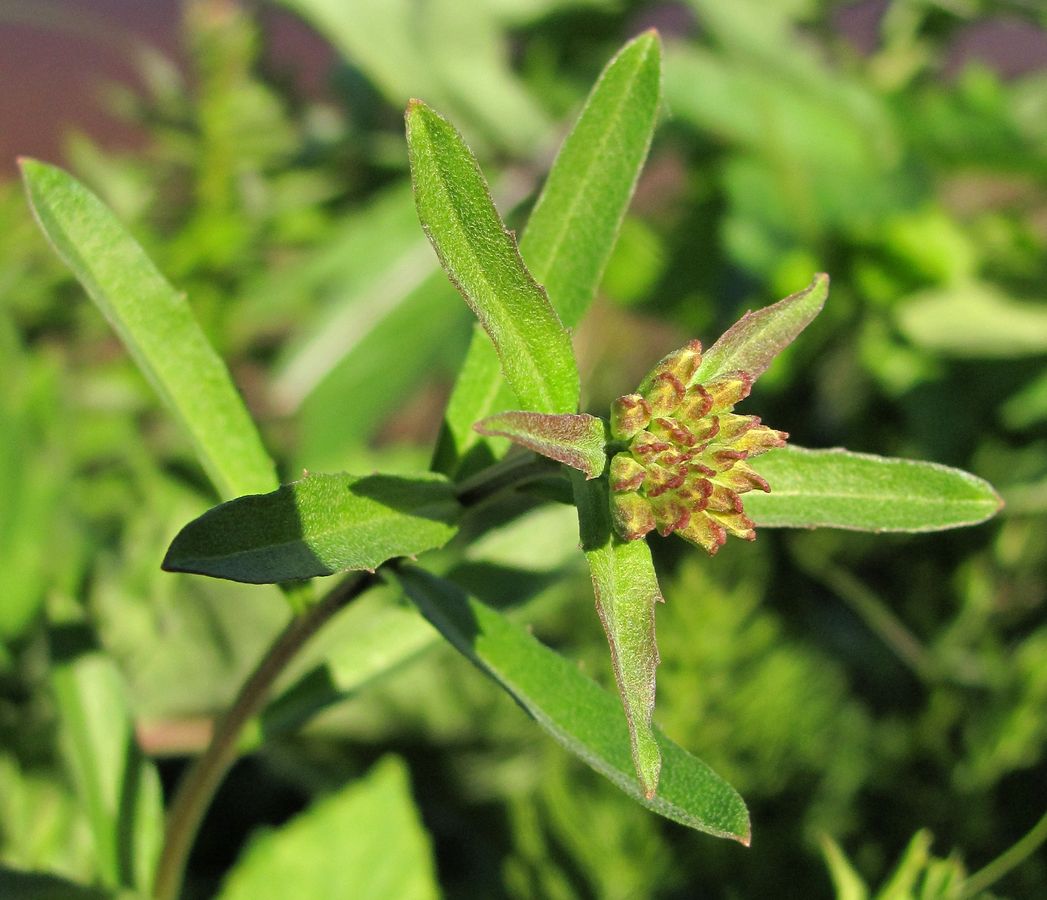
[626, 591]
[581, 716]
[840, 489]
[481, 258]
[117, 785]
[574, 225]
[574, 439]
[320, 525]
[758, 337]
[156, 325]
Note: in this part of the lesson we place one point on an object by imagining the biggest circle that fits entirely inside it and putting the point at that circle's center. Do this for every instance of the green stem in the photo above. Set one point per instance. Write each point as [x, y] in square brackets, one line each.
[198, 787]
[1011, 857]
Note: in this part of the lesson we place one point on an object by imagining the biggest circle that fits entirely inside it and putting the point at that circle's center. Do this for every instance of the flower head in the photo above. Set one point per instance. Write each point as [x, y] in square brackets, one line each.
[684, 464]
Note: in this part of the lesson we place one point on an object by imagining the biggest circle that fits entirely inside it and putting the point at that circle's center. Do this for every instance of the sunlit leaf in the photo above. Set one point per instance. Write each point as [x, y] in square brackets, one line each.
[840, 489]
[156, 325]
[481, 258]
[575, 711]
[366, 842]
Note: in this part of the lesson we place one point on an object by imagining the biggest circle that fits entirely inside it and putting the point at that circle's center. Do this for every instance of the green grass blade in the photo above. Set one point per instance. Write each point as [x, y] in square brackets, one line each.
[481, 258]
[118, 787]
[626, 589]
[758, 337]
[320, 525]
[575, 223]
[840, 489]
[574, 710]
[156, 325]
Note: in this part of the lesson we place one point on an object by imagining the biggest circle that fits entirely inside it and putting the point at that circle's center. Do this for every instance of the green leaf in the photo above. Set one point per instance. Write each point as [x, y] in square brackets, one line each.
[320, 525]
[574, 439]
[974, 320]
[116, 784]
[44, 886]
[758, 337]
[156, 325]
[626, 590]
[574, 710]
[366, 842]
[572, 230]
[840, 489]
[847, 882]
[481, 258]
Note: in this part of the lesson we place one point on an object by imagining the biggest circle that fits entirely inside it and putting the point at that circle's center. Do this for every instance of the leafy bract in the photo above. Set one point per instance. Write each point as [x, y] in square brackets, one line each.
[575, 711]
[317, 526]
[626, 589]
[757, 337]
[481, 258]
[156, 325]
[574, 439]
[366, 842]
[840, 489]
[574, 225]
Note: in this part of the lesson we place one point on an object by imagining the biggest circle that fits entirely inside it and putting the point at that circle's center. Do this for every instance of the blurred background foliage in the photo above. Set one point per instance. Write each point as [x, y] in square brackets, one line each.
[857, 690]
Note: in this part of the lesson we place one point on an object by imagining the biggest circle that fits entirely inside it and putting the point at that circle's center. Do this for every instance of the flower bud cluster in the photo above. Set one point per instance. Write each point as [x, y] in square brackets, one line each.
[684, 465]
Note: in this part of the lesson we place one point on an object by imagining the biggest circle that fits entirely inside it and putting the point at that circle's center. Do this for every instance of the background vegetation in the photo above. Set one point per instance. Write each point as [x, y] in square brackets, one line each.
[857, 687]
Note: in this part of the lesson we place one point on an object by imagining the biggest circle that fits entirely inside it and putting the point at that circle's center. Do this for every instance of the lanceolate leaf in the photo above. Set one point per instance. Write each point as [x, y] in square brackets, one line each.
[574, 225]
[317, 526]
[626, 590]
[575, 711]
[156, 325]
[576, 440]
[840, 489]
[758, 337]
[481, 258]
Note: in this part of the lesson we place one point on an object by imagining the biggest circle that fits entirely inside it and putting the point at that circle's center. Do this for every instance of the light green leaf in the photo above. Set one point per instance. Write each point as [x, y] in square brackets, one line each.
[575, 711]
[626, 590]
[366, 842]
[840, 489]
[757, 337]
[574, 439]
[574, 225]
[156, 325]
[320, 525]
[974, 320]
[481, 258]
[116, 784]
[847, 882]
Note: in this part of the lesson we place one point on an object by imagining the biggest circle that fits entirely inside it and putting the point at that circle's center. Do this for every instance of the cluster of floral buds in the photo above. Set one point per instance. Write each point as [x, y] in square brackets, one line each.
[684, 463]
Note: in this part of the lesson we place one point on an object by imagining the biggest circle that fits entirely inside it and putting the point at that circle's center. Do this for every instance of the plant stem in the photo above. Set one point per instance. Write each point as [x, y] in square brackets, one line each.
[1011, 857]
[197, 788]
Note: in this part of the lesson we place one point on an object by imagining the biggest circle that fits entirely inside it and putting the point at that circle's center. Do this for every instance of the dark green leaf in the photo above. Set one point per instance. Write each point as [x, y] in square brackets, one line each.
[156, 325]
[481, 258]
[320, 525]
[574, 710]
[840, 489]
